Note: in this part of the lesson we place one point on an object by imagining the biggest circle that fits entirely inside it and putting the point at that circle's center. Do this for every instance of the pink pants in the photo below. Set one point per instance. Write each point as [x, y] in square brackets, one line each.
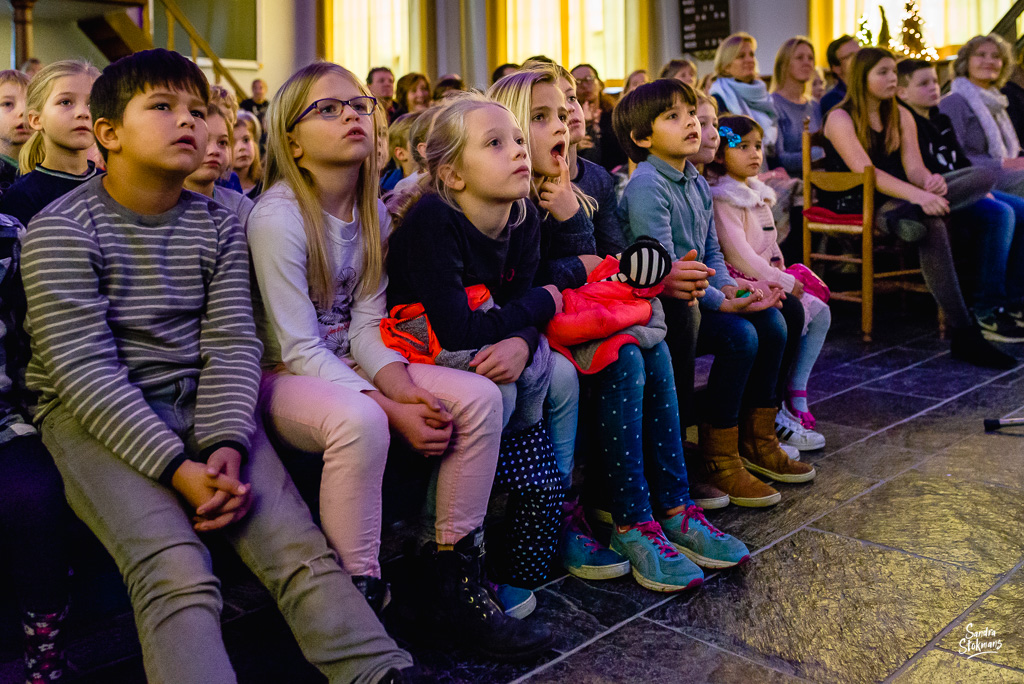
[312, 415]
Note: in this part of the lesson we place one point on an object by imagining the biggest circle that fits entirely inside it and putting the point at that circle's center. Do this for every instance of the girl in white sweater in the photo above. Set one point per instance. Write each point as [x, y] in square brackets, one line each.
[746, 231]
[330, 385]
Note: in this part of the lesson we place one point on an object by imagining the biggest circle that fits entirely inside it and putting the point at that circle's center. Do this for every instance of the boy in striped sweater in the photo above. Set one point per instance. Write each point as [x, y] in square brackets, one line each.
[146, 360]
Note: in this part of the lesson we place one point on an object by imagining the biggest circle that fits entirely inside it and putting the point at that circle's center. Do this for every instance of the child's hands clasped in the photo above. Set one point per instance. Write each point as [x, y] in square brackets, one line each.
[503, 362]
[688, 279]
[935, 184]
[215, 489]
[556, 195]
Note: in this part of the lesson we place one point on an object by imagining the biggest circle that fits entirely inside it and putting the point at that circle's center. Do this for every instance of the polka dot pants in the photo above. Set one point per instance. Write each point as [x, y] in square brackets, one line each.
[528, 472]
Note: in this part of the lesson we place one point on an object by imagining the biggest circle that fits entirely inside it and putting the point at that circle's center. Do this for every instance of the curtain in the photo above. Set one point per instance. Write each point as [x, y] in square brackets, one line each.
[377, 33]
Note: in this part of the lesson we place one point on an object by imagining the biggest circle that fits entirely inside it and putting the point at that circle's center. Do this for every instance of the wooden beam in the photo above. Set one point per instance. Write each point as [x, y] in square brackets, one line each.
[24, 43]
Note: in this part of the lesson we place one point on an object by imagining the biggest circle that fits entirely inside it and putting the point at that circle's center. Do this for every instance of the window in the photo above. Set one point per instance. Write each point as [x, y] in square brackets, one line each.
[363, 35]
[946, 22]
[610, 34]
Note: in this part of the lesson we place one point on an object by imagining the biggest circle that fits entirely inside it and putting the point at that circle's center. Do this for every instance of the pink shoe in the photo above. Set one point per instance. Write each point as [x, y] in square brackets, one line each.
[805, 418]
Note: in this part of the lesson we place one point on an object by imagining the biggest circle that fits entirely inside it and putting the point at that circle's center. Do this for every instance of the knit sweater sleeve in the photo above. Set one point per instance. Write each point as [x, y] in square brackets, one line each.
[565, 242]
[228, 347]
[74, 347]
[277, 243]
[729, 220]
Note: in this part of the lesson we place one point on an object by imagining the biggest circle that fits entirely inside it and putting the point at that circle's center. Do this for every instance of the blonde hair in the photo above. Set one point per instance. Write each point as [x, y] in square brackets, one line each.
[445, 146]
[214, 109]
[515, 92]
[782, 59]
[39, 89]
[729, 49]
[223, 99]
[282, 167]
[963, 56]
[252, 124]
[14, 76]
[704, 98]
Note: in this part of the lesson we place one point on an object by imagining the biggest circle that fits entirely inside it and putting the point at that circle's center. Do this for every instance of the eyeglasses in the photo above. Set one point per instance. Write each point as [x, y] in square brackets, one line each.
[331, 108]
[586, 79]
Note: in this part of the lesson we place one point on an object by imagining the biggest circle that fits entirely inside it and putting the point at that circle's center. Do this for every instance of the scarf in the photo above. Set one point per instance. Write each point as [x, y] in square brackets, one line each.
[989, 105]
[750, 99]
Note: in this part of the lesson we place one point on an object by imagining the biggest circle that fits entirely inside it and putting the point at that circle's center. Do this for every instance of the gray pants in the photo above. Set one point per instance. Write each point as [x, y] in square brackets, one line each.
[166, 567]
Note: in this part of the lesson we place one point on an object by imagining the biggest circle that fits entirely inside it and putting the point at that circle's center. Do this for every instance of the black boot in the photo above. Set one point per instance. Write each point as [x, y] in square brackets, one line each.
[374, 590]
[967, 344]
[469, 614]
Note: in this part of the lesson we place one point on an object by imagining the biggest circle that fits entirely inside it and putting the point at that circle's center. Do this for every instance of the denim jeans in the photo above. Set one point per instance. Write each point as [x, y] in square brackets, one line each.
[990, 224]
[1015, 259]
[748, 354]
[166, 566]
[638, 426]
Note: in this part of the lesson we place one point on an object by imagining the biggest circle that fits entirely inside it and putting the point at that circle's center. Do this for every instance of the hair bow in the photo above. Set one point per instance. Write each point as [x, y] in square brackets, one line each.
[730, 137]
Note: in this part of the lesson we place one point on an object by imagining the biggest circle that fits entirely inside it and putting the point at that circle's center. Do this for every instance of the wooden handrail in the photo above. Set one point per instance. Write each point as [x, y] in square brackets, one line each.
[174, 14]
[1007, 26]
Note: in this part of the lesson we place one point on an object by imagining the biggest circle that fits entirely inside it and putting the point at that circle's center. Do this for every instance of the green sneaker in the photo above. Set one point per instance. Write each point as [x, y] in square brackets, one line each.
[702, 542]
[655, 563]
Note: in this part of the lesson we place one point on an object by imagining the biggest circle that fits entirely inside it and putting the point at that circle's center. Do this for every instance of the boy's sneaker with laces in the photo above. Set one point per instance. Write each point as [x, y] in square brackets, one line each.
[792, 433]
[517, 602]
[656, 563]
[702, 542]
[582, 555]
[1001, 326]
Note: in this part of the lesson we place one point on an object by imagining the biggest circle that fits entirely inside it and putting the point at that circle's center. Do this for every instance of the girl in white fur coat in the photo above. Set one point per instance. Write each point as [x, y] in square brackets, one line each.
[746, 231]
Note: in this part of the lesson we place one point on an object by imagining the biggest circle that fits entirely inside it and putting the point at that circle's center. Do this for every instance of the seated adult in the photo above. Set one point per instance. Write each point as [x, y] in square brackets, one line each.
[600, 144]
[412, 95]
[979, 112]
[794, 70]
[839, 53]
[681, 69]
[737, 88]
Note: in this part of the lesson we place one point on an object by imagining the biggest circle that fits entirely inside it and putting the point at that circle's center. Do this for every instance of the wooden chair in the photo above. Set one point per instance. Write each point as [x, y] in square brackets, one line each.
[870, 280]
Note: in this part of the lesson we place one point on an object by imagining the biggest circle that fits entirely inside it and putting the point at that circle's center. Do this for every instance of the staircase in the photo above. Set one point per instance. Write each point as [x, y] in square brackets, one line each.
[120, 27]
[1007, 26]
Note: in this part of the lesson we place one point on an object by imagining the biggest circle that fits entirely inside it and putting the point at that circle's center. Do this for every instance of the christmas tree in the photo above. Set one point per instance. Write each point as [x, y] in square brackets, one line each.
[884, 39]
[864, 35]
[912, 35]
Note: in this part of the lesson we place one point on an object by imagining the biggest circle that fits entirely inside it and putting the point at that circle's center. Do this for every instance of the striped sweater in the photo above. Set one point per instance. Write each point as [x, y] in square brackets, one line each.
[122, 305]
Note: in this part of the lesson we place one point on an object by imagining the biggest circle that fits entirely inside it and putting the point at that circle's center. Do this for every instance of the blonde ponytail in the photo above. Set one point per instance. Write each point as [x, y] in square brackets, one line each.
[39, 89]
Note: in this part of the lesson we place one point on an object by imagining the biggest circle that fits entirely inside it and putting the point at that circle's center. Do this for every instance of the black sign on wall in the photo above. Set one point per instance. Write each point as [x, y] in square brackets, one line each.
[705, 23]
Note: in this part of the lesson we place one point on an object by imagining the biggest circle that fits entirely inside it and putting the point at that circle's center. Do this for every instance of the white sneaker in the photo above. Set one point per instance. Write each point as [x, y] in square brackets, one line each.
[792, 452]
[792, 433]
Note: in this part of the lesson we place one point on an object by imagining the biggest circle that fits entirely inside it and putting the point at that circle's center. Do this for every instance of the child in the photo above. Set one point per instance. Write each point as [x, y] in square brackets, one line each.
[145, 356]
[217, 159]
[993, 221]
[14, 132]
[869, 127]
[746, 232]
[419, 131]
[55, 160]
[638, 417]
[402, 162]
[667, 199]
[472, 230]
[33, 514]
[246, 160]
[316, 239]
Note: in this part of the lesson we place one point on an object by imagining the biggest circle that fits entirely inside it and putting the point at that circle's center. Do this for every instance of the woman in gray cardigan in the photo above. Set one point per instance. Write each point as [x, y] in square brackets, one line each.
[978, 110]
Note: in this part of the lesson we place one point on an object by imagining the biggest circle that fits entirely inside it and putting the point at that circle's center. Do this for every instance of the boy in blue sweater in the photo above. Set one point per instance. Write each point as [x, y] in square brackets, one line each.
[669, 200]
[146, 360]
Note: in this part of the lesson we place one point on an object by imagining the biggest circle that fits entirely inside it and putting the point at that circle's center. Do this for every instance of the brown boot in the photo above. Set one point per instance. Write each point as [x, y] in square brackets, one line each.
[725, 470]
[703, 493]
[760, 450]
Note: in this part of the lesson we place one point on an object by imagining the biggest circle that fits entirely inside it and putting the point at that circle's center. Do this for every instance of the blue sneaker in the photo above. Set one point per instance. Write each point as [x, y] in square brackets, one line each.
[702, 542]
[656, 563]
[515, 601]
[582, 555]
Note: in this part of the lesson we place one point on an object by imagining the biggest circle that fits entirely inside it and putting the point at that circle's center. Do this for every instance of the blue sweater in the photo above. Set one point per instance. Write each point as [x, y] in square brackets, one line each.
[609, 233]
[675, 208]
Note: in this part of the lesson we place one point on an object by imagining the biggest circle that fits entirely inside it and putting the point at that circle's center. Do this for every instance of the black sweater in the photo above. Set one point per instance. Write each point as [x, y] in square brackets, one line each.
[940, 148]
[33, 191]
[436, 253]
[599, 184]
